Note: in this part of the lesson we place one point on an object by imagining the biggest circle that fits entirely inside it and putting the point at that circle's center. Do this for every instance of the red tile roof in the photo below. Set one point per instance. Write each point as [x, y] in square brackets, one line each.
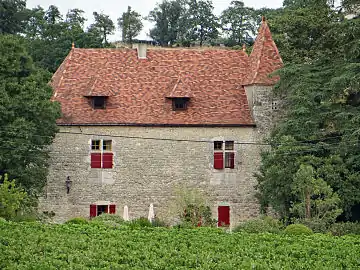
[139, 90]
[264, 58]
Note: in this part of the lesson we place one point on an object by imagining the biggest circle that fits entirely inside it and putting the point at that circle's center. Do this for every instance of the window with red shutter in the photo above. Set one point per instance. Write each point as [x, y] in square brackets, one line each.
[93, 210]
[95, 160]
[112, 208]
[224, 157]
[218, 160]
[101, 155]
[223, 216]
[107, 162]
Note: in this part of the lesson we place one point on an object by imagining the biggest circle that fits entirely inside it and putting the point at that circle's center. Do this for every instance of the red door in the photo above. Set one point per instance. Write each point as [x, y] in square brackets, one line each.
[223, 216]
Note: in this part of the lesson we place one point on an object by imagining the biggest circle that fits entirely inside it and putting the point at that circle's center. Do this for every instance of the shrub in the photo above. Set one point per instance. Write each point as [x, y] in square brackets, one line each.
[315, 224]
[266, 224]
[25, 217]
[108, 217]
[77, 220]
[343, 228]
[11, 198]
[158, 223]
[297, 229]
[141, 222]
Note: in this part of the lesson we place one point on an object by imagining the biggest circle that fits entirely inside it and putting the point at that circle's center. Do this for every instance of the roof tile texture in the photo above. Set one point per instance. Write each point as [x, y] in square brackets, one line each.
[138, 90]
[264, 59]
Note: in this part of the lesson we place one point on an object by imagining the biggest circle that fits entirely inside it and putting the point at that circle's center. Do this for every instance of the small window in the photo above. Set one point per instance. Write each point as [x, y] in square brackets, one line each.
[98, 102]
[102, 209]
[107, 145]
[274, 105]
[180, 104]
[95, 145]
[96, 210]
[218, 145]
[229, 145]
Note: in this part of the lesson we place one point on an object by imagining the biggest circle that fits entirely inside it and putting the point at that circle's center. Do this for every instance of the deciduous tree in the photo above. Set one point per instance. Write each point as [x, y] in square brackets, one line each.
[239, 23]
[103, 26]
[130, 25]
[27, 116]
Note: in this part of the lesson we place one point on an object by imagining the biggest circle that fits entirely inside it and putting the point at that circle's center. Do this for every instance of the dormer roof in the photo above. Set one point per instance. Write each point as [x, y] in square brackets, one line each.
[181, 89]
[264, 58]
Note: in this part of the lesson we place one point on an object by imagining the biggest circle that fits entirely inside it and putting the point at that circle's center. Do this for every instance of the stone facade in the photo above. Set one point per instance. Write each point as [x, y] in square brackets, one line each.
[150, 162]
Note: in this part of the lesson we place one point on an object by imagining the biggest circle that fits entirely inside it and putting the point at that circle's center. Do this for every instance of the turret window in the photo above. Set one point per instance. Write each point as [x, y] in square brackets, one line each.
[274, 105]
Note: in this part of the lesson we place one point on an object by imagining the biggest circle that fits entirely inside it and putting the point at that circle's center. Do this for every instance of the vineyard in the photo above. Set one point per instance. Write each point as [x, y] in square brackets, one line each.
[96, 246]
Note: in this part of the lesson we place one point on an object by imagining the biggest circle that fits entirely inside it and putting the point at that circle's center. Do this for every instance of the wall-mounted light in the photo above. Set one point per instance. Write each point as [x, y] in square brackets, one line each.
[68, 183]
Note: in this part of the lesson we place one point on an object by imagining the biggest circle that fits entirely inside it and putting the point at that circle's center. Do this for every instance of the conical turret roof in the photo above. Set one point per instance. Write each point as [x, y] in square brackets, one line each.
[264, 58]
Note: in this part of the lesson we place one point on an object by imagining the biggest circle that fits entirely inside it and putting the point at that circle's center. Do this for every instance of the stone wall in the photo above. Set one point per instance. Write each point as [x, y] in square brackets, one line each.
[147, 170]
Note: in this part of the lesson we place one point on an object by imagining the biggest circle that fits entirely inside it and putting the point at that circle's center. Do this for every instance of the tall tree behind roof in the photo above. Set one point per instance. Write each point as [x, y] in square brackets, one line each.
[239, 23]
[169, 18]
[130, 25]
[102, 25]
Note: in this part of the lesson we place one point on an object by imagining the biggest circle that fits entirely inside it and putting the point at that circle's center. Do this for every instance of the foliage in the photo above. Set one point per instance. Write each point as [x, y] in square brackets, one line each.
[192, 207]
[141, 222]
[315, 197]
[261, 225]
[239, 23]
[297, 229]
[130, 25]
[202, 23]
[169, 18]
[319, 127]
[27, 116]
[315, 224]
[343, 228]
[23, 246]
[157, 222]
[77, 220]
[12, 16]
[11, 198]
[298, 28]
[103, 26]
[108, 217]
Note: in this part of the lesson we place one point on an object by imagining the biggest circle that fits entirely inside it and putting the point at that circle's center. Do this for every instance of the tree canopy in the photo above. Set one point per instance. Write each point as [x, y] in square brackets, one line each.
[27, 116]
[130, 25]
[319, 89]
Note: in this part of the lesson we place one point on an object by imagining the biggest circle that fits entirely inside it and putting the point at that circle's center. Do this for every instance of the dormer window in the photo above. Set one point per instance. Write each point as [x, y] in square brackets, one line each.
[98, 102]
[179, 104]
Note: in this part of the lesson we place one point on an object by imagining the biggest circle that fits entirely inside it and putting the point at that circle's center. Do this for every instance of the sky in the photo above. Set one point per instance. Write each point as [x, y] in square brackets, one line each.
[114, 8]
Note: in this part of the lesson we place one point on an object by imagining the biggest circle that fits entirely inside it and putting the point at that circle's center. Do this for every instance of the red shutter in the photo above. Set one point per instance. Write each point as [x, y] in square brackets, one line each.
[107, 160]
[218, 160]
[232, 160]
[112, 208]
[199, 222]
[93, 210]
[223, 216]
[95, 160]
